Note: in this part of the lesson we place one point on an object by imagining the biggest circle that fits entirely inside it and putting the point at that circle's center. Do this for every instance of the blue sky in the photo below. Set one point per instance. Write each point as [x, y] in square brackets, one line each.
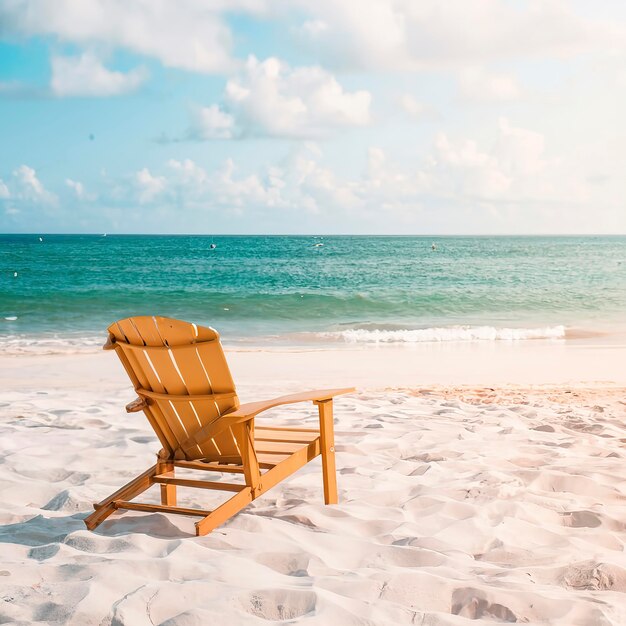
[259, 116]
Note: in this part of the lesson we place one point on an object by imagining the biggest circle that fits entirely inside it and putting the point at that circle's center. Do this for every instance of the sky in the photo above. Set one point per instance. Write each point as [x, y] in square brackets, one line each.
[355, 117]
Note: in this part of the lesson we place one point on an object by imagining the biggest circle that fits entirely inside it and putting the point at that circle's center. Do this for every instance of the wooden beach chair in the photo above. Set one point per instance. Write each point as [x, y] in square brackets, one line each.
[186, 391]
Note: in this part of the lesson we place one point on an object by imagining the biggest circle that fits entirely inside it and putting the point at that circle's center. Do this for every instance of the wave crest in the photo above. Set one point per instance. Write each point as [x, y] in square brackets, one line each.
[16, 345]
[442, 334]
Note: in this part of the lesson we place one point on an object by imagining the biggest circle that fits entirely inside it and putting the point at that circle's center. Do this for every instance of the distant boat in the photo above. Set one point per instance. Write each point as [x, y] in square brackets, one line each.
[213, 246]
[318, 245]
[433, 247]
[40, 238]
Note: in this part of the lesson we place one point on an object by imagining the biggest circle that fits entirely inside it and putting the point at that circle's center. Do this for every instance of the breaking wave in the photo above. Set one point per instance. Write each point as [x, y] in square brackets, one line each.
[443, 334]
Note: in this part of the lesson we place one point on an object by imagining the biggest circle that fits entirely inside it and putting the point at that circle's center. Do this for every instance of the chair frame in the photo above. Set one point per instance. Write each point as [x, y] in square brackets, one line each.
[268, 456]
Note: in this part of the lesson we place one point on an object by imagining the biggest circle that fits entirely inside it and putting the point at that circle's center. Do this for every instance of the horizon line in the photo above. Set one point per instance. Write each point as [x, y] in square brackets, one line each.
[322, 234]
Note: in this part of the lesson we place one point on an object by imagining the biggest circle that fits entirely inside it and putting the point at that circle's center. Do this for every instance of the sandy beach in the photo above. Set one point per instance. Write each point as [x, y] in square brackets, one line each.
[484, 494]
[414, 209]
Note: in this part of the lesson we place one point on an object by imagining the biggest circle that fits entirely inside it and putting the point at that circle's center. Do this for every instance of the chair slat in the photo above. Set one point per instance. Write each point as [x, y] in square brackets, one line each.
[160, 421]
[147, 329]
[176, 332]
[227, 444]
[158, 508]
[192, 370]
[190, 418]
[211, 466]
[145, 365]
[205, 412]
[198, 484]
[271, 434]
[214, 362]
[269, 460]
[125, 331]
[277, 447]
[176, 425]
[168, 372]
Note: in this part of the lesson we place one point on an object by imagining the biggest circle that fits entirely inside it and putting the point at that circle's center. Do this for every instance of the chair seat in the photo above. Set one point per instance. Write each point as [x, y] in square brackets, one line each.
[275, 444]
[271, 444]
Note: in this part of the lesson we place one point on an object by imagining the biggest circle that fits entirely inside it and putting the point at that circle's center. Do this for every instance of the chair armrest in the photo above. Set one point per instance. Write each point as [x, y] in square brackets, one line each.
[248, 411]
[251, 409]
[136, 405]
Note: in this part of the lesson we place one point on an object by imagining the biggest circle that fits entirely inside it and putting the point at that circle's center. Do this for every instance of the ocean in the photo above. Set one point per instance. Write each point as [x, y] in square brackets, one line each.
[304, 290]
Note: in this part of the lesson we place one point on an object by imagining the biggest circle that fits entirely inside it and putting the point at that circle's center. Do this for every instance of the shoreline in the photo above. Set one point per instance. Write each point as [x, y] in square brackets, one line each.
[489, 364]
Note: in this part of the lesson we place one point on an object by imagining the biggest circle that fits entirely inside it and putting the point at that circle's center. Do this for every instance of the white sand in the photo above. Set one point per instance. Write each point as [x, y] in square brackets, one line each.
[478, 504]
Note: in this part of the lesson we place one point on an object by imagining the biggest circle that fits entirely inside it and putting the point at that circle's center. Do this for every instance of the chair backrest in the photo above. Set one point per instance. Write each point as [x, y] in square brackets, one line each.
[181, 370]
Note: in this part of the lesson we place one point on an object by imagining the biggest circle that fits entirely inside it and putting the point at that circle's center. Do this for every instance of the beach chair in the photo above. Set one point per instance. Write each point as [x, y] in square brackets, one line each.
[186, 391]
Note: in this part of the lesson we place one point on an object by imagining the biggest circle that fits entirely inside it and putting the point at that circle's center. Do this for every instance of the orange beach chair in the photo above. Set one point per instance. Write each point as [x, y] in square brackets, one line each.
[186, 391]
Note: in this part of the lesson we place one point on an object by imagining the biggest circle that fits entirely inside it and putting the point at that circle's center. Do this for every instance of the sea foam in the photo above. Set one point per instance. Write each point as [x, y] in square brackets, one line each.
[15, 345]
[443, 334]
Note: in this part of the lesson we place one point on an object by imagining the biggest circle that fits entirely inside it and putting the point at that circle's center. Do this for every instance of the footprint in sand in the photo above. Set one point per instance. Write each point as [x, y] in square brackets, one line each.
[43, 553]
[592, 576]
[544, 428]
[581, 519]
[279, 604]
[290, 564]
[471, 603]
[54, 475]
[142, 439]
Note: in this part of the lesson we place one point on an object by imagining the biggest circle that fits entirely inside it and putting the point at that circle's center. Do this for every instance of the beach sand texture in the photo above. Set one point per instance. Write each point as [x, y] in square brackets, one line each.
[461, 505]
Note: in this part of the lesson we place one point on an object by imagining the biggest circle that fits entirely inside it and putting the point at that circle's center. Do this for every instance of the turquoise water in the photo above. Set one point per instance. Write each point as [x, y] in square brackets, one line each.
[348, 289]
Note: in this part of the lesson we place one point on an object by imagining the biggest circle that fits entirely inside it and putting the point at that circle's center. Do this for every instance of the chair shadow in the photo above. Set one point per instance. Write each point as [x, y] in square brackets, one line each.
[40, 530]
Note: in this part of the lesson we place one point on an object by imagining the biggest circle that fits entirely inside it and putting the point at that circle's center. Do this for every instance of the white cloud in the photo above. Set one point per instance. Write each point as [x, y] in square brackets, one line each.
[463, 169]
[192, 185]
[246, 192]
[477, 84]
[372, 34]
[313, 28]
[79, 190]
[148, 186]
[189, 34]
[85, 75]
[188, 172]
[212, 123]
[269, 98]
[520, 151]
[27, 179]
[318, 186]
[76, 187]
[412, 107]
[514, 170]
[404, 34]
[4, 191]
[28, 187]
[507, 183]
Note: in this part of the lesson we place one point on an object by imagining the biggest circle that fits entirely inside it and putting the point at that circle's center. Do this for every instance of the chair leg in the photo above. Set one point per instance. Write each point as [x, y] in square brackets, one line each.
[327, 440]
[224, 511]
[168, 492]
[106, 507]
